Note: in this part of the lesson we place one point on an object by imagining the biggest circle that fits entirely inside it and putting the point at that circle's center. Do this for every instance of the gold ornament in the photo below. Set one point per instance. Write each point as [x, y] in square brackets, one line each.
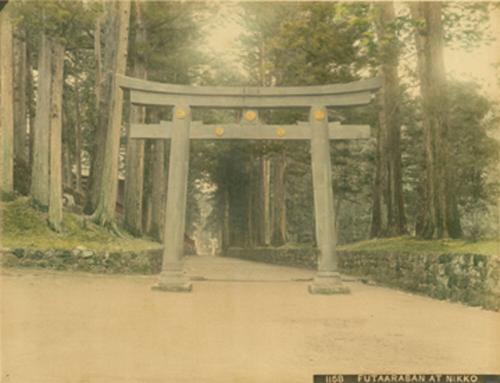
[319, 115]
[280, 132]
[250, 115]
[180, 114]
[219, 132]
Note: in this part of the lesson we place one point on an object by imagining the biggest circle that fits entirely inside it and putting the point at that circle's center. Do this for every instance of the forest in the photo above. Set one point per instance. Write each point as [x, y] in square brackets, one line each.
[430, 169]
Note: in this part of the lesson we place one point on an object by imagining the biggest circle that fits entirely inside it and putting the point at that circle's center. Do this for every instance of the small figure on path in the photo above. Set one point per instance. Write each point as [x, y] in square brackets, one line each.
[213, 246]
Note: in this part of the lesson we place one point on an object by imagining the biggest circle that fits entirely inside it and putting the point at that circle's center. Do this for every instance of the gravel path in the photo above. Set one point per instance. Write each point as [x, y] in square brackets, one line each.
[83, 328]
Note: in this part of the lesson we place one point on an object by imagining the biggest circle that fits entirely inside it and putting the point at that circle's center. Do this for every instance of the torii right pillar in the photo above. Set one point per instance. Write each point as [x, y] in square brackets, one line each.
[327, 280]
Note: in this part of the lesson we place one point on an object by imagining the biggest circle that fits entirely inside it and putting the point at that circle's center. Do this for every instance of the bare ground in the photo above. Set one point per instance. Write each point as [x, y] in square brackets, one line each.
[248, 323]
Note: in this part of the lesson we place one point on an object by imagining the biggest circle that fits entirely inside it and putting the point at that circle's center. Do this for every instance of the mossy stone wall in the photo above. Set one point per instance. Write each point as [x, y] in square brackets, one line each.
[81, 259]
[298, 257]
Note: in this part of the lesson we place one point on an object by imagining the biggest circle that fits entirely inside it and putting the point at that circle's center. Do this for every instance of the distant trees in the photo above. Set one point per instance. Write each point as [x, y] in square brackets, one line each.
[285, 45]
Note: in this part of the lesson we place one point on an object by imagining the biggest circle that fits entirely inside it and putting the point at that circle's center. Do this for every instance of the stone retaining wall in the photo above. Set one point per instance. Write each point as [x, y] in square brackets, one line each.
[305, 257]
[473, 279]
[81, 259]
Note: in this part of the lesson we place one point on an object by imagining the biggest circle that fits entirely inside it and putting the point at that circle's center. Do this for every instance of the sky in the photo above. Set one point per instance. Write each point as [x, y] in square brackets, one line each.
[463, 65]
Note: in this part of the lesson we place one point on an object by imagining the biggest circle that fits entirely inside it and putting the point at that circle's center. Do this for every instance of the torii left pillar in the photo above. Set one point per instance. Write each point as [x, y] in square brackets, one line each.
[172, 277]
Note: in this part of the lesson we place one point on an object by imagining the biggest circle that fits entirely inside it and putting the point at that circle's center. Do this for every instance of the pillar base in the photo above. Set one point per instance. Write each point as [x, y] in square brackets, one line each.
[328, 283]
[173, 282]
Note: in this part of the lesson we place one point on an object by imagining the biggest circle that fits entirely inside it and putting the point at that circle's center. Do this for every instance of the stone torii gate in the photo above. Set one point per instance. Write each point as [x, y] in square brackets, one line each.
[249, 99]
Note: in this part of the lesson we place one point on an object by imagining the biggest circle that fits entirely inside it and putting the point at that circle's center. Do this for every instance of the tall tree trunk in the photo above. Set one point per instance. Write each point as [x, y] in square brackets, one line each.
[429, 224]
[134, 179]
[258, 204]
[105, 212]
[279, 201]
[67, 163]
[103, 90]
[20, 125]
[266, 196]
[55, 199]
[40, 169]
[441, 217]
[338, 210]
[6, 103]
[78, 139]
[22, 167]
[376, 229]
[135, 148]
[250, 202]
[66, 152]
[67, 155]
[30, 105]
[147, 195]
[226, 232]
[159, 189]
[272, 197]
[98, 57]
[389, 150]
[155, 183]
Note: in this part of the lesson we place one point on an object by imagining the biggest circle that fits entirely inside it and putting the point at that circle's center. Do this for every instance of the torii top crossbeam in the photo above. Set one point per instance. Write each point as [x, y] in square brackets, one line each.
[337, 95]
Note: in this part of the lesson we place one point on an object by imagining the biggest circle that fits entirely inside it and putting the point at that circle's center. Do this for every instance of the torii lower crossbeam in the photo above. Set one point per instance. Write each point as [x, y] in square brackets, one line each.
[336, 131]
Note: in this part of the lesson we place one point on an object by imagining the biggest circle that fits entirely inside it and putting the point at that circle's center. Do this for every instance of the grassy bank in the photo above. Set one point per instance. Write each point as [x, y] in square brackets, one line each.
[413, 245]
[25, 227]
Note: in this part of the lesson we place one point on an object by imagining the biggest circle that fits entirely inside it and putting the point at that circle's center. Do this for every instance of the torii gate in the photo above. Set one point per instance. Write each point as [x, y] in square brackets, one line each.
[249, 99]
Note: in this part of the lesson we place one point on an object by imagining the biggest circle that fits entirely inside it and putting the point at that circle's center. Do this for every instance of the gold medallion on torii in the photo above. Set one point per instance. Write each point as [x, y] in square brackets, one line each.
[219, 131]
[250, 115]
[319, 115]
[180, 114]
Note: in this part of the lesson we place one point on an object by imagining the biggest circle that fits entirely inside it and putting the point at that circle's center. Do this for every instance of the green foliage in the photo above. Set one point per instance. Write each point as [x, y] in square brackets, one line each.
[308, 43]
[466, 24]
[70, 22]
[475, 156]
[171, 52]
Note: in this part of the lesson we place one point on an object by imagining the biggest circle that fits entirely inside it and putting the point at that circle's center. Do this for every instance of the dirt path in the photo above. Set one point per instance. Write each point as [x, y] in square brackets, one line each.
[62, 327]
